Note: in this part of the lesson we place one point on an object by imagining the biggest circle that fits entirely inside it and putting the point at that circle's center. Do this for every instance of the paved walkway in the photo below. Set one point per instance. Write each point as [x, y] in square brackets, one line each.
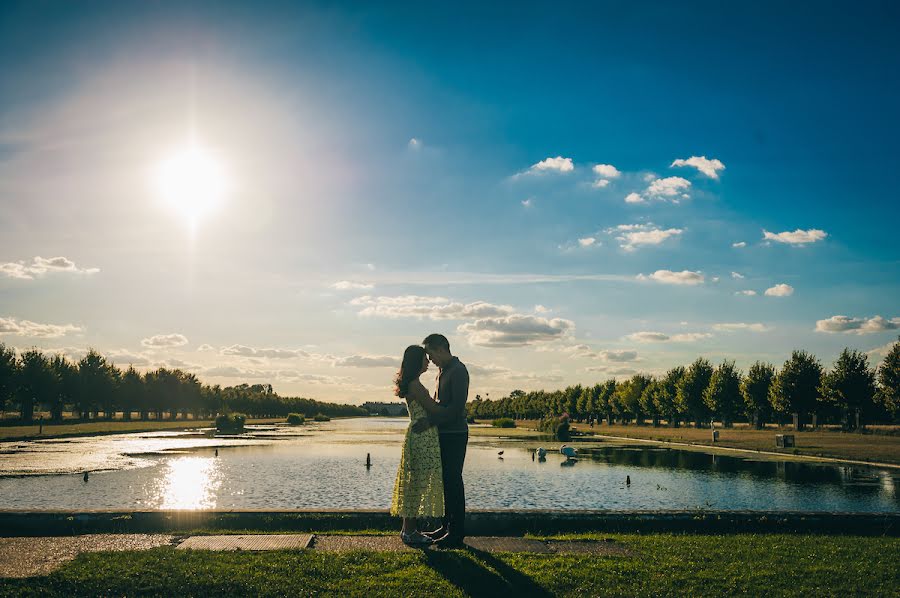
[27, 557]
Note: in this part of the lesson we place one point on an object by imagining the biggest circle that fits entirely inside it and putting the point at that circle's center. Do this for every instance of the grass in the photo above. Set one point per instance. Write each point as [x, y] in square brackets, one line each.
[884, 448]
[663, 564]
[64, 429]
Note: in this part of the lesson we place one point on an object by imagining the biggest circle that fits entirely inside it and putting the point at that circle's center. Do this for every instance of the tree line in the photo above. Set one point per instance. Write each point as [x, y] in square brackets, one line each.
[93, 387]
[851, 393]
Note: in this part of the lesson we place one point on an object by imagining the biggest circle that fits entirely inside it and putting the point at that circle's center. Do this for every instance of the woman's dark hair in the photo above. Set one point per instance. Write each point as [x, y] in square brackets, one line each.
[409, 369]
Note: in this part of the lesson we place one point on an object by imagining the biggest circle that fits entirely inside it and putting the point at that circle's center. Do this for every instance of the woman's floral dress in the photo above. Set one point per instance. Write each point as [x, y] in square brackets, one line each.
[419, 487]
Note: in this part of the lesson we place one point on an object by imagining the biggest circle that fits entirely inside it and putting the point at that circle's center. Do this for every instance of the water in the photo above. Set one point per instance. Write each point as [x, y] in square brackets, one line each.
[322, 466]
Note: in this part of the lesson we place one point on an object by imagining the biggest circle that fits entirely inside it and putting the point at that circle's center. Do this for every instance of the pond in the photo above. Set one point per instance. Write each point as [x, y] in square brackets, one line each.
[322, 465]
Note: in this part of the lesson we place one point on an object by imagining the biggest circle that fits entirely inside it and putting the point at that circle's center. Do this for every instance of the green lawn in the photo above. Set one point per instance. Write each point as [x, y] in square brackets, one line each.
[687, 565]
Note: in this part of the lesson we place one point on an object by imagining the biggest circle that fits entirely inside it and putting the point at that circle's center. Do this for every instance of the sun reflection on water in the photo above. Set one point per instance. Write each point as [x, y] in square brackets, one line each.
[189, 483]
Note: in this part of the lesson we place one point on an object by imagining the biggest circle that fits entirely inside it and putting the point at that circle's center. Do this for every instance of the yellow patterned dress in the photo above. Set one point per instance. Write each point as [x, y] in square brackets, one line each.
[419, 487]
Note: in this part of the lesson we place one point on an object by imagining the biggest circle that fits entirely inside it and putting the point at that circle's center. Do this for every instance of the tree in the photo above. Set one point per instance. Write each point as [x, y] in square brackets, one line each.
[647, 400]
[604, 400]
[796, 388]
[8, 375]
[889, 381]
[35, 382]
[132, 393]
[690, 391]
[755, 391]
[723, 395]
[65, 386]
[666, 395]
[98, 384]
[627, 396]
[850, 386]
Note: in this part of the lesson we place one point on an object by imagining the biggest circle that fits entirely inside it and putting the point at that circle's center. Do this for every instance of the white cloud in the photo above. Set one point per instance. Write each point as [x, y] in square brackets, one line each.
[732, 326]
[487, 371]
[739, 244]
[230, 371]
[658, 337]
[125, 357]
[557, 164]
[245, 351]
[12, 326]
[541, 309]
[632, 236]
[515, 330]
[40, 266]
[414, 144]
[780, 290]
[634, 198]
[685, 277]
[206, 347]
[165, 340]
[528, 202]
[617, 355]
[710, 168]
[672, 186]
[748, 292]
[857, 325]
[611, 371]
[433, 308]
[600, 183]
[737, 275]
[368, 361]
[882, 351]
[587, 241]
[606, 171]
[798, 237]
[347, 285]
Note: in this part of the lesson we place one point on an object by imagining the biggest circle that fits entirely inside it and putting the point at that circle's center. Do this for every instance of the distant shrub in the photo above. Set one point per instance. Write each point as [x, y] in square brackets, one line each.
[558, 426]
[504, 422]
[231, 423]
[319, 417]
[296, 419]
[470, 419]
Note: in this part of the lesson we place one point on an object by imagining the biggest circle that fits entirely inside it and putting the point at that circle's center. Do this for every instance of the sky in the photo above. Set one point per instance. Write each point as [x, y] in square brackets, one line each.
[570, 192]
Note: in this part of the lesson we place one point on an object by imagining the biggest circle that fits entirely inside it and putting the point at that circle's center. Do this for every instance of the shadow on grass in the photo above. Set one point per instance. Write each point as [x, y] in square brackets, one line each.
[463, 570]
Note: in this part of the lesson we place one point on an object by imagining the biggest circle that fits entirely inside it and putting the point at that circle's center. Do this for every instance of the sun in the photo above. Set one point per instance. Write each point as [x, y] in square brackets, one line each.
[192, 181]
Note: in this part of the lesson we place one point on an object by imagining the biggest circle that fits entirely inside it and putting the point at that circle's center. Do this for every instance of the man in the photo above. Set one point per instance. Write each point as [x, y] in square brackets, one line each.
[453, 432]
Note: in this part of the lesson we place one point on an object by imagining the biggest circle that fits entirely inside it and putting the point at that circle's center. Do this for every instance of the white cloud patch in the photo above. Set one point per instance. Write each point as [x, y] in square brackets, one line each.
[414, 144]
[206, 347]
[515, 330]
[734, 326]
[634, 198]
[432, 308]
[659, 337]
[737, 275]
[527, 203]
[617, 355]
[12, 326]
[780, 290]
[368, 361]
[797, 237]
[669, 187]
[487, 371]
[739, 244]
[124, 357]
[587, 241]
[633, 236]
[40, 266]
[245, 351]
[540, 309]
[557, 164]
[161, 341]
[747, 292]
[349, 285]
[857, 325]
[685, 277]
[709, 167]
[606, 171]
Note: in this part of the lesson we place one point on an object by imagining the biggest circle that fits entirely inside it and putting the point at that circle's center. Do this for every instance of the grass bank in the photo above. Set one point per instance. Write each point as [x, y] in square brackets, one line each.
[883, 448]
[70, 429]
[663, 564]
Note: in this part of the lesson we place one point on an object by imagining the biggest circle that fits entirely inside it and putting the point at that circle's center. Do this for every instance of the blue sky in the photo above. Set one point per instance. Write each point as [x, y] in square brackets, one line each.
[395, 170]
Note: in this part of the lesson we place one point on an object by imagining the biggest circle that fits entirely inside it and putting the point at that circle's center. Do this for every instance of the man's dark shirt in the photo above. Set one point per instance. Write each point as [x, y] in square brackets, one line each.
[452, 392]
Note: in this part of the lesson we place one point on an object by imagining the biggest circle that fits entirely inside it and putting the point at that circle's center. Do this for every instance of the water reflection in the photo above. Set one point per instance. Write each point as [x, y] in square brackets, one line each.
[189, 483]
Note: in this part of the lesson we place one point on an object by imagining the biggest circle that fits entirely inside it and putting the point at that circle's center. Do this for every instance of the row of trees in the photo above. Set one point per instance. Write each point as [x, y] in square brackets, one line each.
[93, 386]
[851, 392]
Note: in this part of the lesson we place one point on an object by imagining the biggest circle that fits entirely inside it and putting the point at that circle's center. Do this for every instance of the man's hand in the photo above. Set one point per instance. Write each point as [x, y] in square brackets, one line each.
[421, 425]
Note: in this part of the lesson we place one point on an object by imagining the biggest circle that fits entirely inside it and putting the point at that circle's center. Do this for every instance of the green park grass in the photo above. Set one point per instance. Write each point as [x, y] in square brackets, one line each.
[68, 429]
[877, 448]
[660, 564]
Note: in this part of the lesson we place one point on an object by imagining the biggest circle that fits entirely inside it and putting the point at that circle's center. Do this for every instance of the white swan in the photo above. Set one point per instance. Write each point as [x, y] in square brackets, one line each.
[541, 453]
[569, 451]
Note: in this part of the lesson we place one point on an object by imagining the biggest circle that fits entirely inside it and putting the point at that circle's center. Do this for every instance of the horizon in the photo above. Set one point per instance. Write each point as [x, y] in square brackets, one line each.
[294, 197]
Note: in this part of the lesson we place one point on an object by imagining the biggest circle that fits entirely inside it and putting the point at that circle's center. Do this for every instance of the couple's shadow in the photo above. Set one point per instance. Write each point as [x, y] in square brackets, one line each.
[480, 573]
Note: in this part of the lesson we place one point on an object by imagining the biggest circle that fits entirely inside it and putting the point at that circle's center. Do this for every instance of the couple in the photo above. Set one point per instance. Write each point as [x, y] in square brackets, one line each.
[429, 482]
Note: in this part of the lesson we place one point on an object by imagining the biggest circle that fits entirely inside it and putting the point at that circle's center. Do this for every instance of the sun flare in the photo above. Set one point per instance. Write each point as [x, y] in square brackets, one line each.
[192, 181]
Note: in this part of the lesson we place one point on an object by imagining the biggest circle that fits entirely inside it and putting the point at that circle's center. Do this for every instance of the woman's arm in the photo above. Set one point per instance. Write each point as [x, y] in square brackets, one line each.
[419, 394]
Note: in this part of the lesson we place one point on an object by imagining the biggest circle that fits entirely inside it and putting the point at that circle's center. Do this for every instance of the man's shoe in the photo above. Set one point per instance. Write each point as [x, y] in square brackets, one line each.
[450, 543]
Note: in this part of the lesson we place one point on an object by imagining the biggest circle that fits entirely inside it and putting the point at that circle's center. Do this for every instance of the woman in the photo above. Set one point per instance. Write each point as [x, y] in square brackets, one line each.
[419, 487]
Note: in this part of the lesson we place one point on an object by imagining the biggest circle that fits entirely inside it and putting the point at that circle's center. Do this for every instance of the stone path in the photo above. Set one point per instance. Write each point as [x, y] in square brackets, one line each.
[27, 557]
